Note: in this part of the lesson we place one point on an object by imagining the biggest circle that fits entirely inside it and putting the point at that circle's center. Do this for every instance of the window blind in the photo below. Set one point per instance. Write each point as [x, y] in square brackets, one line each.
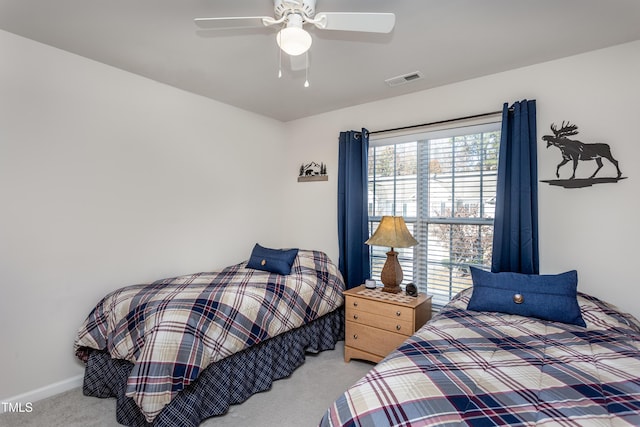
[443, 183]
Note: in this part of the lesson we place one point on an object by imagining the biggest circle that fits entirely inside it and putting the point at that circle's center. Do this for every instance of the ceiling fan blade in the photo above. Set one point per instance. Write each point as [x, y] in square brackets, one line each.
[355, 21]
[234, 22]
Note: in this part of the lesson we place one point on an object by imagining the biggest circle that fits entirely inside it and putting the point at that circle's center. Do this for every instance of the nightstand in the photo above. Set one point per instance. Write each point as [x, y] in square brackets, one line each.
[378, 322]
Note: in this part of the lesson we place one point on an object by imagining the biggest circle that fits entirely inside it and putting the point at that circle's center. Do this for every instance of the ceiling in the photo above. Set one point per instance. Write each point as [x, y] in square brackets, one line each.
[446, 40]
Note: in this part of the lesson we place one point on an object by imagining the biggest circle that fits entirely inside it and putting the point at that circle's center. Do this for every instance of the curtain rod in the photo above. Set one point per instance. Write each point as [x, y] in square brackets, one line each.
[439, 122]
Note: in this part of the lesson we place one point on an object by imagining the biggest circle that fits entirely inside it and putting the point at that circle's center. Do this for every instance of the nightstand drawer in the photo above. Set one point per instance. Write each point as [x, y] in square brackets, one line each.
[381, 309]
[377, 322]
[397, 325]
[372, 340]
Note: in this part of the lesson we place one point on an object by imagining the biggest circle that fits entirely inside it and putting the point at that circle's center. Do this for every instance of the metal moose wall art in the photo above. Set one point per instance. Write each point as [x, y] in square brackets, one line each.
[575, 151]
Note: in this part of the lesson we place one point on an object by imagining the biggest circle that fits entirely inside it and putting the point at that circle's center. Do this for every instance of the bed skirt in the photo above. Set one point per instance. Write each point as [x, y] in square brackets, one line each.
[227, 382]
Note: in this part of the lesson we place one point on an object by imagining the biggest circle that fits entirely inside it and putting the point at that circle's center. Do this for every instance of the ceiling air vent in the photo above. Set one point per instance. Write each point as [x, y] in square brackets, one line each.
[405, 78]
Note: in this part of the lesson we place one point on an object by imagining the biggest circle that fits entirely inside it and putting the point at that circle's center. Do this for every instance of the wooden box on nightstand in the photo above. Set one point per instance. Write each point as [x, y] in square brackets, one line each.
[378, 322]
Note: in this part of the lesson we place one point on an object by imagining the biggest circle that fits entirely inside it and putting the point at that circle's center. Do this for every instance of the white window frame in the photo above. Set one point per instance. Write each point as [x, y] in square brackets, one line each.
[414, 260]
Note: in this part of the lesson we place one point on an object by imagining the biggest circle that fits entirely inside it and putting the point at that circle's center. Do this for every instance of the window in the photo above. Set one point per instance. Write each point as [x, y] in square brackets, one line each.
[444, 185]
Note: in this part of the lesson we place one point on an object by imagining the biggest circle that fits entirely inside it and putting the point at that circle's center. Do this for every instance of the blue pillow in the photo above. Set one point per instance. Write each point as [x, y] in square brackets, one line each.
[548, 297]
[272, 260]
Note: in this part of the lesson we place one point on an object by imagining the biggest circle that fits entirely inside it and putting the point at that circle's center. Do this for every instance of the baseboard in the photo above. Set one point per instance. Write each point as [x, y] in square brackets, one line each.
[44, 392]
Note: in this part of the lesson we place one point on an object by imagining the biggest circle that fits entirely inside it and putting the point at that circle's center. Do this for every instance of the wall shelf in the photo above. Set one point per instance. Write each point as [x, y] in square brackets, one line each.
[313, 178]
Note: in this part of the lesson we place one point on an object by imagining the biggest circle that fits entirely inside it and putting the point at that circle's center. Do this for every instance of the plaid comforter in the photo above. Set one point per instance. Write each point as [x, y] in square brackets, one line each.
[174, 328]
[488, 369]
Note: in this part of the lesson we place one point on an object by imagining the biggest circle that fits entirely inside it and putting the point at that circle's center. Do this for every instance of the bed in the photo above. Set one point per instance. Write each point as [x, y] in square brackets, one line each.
[180, 350]
[484, 368]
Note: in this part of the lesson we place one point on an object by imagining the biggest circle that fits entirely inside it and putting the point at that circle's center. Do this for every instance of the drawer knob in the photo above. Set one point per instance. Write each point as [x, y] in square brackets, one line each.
[398, 327]
[355, 336]
[398, 313]
[355, 303]
[355, 316]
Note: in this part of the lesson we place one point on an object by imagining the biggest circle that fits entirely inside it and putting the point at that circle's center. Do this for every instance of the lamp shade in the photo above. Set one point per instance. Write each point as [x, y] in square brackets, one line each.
[392, 232]
[293, 39]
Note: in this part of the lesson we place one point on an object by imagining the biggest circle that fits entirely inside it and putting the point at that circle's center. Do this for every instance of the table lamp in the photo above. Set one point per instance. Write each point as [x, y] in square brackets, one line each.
[392, 232]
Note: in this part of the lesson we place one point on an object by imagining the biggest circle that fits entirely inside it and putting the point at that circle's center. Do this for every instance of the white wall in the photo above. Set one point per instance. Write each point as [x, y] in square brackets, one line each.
[594, 230]
[109, 179]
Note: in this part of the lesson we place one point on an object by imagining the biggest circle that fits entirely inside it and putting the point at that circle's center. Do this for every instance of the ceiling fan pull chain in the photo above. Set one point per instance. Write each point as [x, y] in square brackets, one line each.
[306, 69]
[279, 61]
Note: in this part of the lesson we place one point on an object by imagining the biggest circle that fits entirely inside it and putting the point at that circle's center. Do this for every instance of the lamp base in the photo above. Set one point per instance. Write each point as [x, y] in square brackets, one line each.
[391, 275]
[394, 290]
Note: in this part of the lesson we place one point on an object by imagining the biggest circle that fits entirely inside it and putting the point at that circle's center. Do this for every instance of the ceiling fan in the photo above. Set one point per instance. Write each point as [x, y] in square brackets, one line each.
[292, 15]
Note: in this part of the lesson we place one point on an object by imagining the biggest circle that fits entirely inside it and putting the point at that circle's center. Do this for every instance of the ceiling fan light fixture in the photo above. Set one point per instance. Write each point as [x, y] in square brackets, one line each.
[293, 39]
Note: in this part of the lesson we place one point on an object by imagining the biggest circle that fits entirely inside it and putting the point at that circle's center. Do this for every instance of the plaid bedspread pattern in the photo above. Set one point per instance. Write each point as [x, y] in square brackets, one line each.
[174, 328]
[489, 369]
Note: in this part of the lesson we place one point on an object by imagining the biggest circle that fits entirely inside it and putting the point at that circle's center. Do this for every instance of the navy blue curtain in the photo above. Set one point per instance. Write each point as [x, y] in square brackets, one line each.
[353, 218]
[515, 238]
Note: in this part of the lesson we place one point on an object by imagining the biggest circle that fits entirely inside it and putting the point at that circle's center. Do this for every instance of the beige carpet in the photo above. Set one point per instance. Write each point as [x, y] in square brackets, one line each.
[297, 401]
